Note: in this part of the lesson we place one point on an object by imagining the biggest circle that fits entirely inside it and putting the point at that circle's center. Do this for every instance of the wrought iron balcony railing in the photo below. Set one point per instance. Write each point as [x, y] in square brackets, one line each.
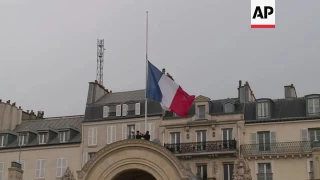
[277, 148]
[264, 176]
[311, 175]
[208, 146]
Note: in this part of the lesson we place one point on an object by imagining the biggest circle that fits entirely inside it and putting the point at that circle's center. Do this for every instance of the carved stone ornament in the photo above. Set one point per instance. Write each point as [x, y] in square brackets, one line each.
[68, 175]
[214, 169]
[241, 170]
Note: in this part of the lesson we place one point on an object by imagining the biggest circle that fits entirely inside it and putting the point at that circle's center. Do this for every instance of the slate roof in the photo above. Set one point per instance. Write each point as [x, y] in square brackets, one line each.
[53, 123]
[94, 111]
[215, 108]
[281, 110]
[121, 97]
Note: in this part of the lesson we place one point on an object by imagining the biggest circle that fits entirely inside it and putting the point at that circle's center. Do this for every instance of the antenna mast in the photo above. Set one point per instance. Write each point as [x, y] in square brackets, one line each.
[100, 59]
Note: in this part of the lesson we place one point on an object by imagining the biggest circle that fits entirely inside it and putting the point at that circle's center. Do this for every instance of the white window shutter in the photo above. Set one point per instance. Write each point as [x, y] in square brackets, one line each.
[105, 111]
[89, 136]
[118, 110]
[124, 110]
[84, 158]
[113, 133]
[109, 134]
[254, 138]
[137, 108]
[273, 137]
[259, 109]
[95, 136]
[304, 134]
[124, 131]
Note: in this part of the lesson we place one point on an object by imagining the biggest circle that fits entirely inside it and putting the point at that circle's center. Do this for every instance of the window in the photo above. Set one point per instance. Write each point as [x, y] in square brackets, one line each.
[202, 112]
[227, 134]
[128, 131]
[63, 136]
[40, 168]
[1, 170]
[228, 108]
[265, 139]
[201, 139]
[201, 172]
[137, 108]
[92, 136]
[61, 166]
[263, 110]
[151, 129]
[2, 141]
[118, 110]
[227, 171]
[264, 171]
[175, 141]
[310, 169]
[125, 109]
[22, 139]
[91, 154]
[111, 134]
[227, 137]
[105, 111]
[313, 106]
[43, 138]
[314, 134]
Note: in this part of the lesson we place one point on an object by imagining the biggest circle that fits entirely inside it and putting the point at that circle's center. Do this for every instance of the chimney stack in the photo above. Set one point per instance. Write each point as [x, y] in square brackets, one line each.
[245, 93]
[290, 91]
[15, 172]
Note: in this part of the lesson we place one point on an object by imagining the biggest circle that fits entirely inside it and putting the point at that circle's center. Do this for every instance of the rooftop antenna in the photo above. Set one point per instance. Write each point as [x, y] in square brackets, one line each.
[100, 59]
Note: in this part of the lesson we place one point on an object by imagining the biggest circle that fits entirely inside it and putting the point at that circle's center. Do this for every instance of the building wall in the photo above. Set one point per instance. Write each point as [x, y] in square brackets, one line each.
[102, 133]
[294, 167]
[50, 154]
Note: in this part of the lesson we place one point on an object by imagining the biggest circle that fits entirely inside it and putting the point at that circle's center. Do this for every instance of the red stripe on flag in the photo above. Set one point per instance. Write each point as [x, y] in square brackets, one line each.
[263, 26]
[181, 103]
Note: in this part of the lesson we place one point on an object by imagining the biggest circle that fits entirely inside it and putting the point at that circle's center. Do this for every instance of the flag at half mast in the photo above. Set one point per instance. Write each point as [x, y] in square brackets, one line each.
[163, 89]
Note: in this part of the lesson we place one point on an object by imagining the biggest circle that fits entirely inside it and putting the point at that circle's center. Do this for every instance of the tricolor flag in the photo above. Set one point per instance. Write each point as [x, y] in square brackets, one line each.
[163, 89]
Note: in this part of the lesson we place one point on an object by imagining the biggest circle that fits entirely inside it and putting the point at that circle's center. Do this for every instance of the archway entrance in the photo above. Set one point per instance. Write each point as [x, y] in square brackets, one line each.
[134, 158]
[134, 174]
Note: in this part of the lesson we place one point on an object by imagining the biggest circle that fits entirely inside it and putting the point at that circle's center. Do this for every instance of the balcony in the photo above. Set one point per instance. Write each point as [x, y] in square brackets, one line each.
[284, 148]
[264, 176]
[207, 147]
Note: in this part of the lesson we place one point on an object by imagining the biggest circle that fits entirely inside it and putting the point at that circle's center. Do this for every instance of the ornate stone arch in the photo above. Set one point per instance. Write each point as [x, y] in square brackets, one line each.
[134, 154]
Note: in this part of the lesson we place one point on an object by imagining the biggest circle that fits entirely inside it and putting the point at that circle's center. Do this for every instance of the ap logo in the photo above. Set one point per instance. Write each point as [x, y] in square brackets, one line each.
[263, 14]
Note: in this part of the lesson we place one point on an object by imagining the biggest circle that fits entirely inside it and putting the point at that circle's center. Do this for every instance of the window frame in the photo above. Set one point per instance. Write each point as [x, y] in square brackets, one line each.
[24, 137]
[231, 105]
[41, 168]
[315, 111]
[201, 166]
[2, 140]
[42, 140]
[61, 170]
[201, 116]
[92, 136]
[263, 108]
[230, 167]
[64, 138]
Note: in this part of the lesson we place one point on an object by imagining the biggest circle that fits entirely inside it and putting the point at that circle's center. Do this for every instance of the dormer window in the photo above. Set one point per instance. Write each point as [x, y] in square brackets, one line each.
[229, 108]
[313, 106]
[63, 135]
[263, 109]
[22, 139]
[202, 110]
[43, 138]
[1, 140]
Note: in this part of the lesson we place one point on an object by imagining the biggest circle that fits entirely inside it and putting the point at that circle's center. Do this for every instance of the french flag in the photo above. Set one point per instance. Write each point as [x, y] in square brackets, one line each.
[163, 89]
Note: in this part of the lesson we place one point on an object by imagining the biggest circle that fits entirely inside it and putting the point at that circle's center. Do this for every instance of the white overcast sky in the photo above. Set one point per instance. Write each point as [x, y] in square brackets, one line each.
[48, 48]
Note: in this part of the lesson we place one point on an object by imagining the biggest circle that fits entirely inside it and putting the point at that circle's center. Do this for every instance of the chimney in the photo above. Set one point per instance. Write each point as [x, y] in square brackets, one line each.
[95, 92]
[40, 115]
[290, 91]
[15, 172]
[245, 93]
[8, 102]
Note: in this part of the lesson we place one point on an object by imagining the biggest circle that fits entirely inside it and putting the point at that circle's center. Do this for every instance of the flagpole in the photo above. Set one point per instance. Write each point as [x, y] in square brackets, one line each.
[146, 102]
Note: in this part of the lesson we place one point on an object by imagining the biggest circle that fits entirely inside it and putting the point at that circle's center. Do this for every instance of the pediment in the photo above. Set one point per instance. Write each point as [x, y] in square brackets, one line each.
[201, 98]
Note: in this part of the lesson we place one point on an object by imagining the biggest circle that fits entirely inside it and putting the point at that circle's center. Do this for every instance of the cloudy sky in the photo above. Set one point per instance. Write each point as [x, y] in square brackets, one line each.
[48, 48]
